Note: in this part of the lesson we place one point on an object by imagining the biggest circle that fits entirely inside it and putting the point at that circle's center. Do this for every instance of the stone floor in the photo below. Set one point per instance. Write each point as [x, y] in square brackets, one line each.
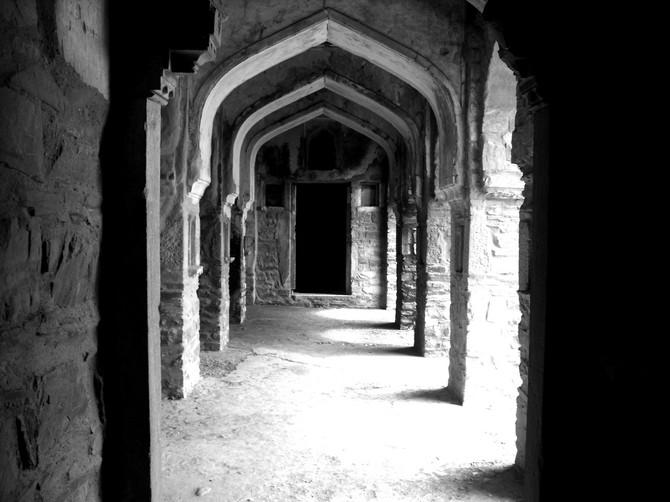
[330, 405]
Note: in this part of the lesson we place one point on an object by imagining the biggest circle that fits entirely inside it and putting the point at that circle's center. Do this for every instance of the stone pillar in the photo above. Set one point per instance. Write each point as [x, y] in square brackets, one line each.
[213, 291]
[493, 307]
[391, 257]
[407, 268]
[523, 147]
[460, 227]
[237, 274]
[179, 307]
[250, 256]
[368, 250]
[436, 320]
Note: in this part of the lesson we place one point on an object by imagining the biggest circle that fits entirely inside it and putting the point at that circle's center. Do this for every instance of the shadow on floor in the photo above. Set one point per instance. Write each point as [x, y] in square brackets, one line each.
[443, 395]
[367, 325]
[499, 483]
[397, 351]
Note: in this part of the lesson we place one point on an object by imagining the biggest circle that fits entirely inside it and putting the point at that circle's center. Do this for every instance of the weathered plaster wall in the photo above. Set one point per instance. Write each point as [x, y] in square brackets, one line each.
[50, 228]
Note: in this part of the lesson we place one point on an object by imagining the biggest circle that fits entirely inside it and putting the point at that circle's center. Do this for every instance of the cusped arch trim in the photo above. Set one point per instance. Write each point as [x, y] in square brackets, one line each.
[245, 172]
[321, 110]
[332, 27]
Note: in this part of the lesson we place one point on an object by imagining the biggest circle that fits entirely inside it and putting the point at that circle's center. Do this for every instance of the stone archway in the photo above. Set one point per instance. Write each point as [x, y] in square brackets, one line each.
[334, 28]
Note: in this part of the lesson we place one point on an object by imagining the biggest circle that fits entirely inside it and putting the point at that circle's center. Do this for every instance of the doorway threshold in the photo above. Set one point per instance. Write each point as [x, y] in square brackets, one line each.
[323, 299]
[329, 295]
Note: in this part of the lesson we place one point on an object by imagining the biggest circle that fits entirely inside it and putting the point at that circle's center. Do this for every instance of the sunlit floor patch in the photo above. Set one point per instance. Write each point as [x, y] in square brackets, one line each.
[304, 406]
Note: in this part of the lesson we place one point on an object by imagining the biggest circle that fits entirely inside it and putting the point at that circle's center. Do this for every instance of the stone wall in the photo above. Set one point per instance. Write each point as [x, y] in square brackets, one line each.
[51, 126]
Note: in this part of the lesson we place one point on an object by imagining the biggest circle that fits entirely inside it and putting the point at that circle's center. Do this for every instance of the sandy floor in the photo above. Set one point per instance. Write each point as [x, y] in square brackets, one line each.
[329, 405]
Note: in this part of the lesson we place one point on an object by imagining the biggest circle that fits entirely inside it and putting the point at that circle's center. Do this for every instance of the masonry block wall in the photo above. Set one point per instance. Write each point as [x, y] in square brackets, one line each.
[53, 105]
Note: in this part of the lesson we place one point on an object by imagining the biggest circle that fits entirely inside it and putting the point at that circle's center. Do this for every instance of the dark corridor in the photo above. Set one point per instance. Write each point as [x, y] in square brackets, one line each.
[321, 232]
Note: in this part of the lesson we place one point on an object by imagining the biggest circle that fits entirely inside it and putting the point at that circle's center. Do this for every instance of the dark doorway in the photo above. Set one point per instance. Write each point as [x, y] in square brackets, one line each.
[322, 235]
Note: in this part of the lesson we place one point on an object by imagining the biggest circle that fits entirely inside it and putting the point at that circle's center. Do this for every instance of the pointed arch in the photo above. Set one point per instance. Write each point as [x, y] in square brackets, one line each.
[403, 125]
[320, 110]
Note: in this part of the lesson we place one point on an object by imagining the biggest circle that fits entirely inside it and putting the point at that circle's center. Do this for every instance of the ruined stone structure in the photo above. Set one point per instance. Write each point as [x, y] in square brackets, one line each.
[153, 164]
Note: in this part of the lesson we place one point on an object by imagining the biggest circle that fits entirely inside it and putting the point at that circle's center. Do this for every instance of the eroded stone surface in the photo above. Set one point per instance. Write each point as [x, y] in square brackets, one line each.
[51, 124]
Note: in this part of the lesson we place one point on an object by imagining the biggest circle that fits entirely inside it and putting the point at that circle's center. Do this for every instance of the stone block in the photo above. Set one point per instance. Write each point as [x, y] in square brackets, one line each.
[39, 83]
[21, 134]
[20, 14]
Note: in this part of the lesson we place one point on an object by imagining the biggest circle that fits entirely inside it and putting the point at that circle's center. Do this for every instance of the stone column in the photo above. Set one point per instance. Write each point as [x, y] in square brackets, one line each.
[437, 280]
[179, 307]
[458, 311]
[250, 256]
[237, 274]
[407, 268]
[493, 306]
[391, 257]
[213, 290]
